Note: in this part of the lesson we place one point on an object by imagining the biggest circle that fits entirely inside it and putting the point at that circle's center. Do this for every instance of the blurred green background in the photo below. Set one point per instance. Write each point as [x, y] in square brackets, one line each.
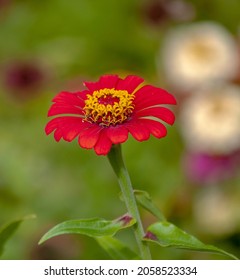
[58, 44]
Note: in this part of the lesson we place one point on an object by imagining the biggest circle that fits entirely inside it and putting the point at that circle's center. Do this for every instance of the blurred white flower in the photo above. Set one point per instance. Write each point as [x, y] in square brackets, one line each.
[210, 120]
[199, 53]
[216, 212]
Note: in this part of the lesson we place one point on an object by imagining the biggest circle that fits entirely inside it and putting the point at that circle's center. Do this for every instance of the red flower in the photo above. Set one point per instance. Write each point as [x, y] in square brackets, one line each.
[103, 114]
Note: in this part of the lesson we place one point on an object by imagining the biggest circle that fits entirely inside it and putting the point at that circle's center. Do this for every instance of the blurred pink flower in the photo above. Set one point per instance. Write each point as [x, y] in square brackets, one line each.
[204, 168]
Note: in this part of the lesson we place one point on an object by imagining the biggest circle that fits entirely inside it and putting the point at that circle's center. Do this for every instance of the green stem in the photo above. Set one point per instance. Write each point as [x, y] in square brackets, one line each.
[116, 160]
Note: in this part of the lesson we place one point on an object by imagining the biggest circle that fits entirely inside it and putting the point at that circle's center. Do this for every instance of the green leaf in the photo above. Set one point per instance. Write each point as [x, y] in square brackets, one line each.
[168, 235]
[144, 199]
[9, 229]
[116, 249]
[95, 227]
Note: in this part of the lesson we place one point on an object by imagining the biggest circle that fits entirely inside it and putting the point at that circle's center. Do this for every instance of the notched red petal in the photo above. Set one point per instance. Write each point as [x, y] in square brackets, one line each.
[66, 127]
[130, 83]
[162, 113]
[108, 81]
[138, 131]
[148, 96]
[89, 137]
[103, 145]
[59, 109]
[156, 128]
[118, 134]
[105, 81]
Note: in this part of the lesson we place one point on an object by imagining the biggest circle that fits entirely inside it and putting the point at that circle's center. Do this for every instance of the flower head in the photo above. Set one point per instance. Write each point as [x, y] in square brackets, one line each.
[199, 54]
[210, 120]
[4, 3]
[23, 78]
[216, 212]
[204, 168]
[160, 11]
[108, 110]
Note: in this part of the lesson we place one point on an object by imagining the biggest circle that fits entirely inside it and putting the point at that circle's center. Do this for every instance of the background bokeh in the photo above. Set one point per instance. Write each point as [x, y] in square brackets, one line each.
[49, 46]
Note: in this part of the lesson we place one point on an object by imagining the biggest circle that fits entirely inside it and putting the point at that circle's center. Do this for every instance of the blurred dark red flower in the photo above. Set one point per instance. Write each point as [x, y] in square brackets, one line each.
[4, 3]
[156, 12]
[161, 11]
[23, 78]
[108, 110]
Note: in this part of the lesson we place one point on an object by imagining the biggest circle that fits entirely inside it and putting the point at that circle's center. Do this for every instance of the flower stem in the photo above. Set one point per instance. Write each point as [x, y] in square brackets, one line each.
[116, 160]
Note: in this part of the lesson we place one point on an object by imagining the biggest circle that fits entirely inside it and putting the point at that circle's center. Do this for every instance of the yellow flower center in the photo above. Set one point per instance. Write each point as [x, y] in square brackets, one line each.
[108, 106]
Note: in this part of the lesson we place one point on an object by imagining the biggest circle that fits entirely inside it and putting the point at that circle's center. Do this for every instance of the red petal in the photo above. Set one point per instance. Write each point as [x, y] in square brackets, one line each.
[58, 109]
[159, 112]
[138, 131]
[52, 125]
[92, 86]
[68, 103]
[71, 132]
[57, 135]
[157, 129]
[130, 83]
[65, 127]
[106, 81]
[76, 98]
[117, 134]
[148, 96]
[104, 144]
[89, 137]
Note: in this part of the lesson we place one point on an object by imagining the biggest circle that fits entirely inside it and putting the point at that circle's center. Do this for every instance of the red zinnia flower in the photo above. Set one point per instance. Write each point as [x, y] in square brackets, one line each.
[103, 114]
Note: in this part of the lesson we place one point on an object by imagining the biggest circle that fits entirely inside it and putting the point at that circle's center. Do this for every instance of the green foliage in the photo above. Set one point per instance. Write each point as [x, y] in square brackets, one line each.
[116, 249]
[168, 235]
[144, 199]
[9, 229]
[94, 227]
